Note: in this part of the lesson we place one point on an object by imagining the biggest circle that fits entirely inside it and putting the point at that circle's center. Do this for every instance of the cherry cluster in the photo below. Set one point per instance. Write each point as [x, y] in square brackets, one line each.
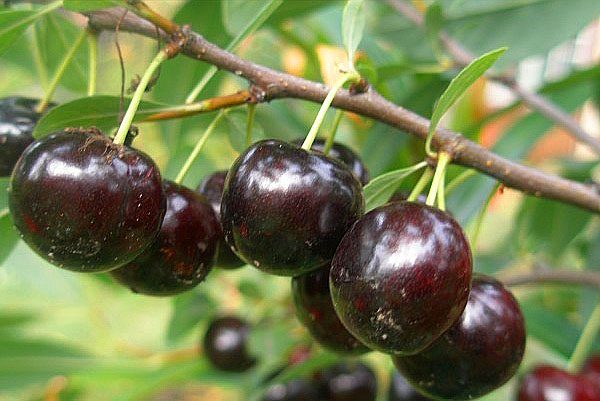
[397, 279]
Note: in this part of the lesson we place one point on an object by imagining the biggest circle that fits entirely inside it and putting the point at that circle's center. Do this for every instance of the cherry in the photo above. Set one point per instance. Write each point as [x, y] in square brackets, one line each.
[225, 344]
[401, 390]
[84, 203]
[348, 382]
[285, 209]
[591, 369]
[294, 390]
[478, 354]
[345, 155]
[401, 277]
[184, 251]
[17, 119]
[548, 383]
[212, 188]
[314, 309]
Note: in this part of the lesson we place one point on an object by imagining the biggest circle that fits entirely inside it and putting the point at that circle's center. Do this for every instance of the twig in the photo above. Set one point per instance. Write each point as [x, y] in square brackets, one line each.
[278, 85]
[463, 57]
[555, 276]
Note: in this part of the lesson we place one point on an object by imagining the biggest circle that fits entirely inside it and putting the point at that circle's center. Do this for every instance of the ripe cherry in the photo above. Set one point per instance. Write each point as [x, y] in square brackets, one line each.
[478, 354]
[591, 369]
[548, 383]
[348, 382]
[345, 155]
[314, 309]
[401, 390]
[225, 344]
[184, 251]
[212, 188]
[401, 277]
[17, 119]
[285, 209]
[84, 203]
[294, 390]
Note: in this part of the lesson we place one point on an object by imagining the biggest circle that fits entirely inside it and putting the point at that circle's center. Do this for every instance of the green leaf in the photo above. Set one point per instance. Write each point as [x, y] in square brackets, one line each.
[379, 190]
[8, 235]
[87, 5]
[461, 83]
[270, 341]
[239, 15]
[189, 310]
[353, 26]
[14, 23]
[434, 20]
[98, 111]
[236, 129]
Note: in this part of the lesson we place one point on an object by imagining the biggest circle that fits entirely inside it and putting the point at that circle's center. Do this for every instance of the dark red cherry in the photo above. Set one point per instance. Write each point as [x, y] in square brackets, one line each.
[345, 155]
[225, 344]
[401, 277]
[348, 382]
[591, 369]
[402, 390]
[314, 309]
[17, 119]
[285, 209]
[84, 203]
[212, 188]
[478, 354]
[184, 251]
[548, 383]
[294, 390]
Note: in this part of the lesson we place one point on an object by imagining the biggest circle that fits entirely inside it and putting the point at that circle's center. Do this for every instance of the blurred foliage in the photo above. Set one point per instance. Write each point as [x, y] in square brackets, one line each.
[111, 344]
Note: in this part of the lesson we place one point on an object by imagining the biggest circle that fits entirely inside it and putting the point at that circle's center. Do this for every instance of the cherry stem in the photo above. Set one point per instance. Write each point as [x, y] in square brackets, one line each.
[585, 342]
[93, 61]
[479, 219]
[440, 175]
[58, 74]
[334, 127]
[142, 9]
[421, 184]
[194, 154]
[211, 104]
[137, 97]
[250, 123]
[441, 195]
[312, 134]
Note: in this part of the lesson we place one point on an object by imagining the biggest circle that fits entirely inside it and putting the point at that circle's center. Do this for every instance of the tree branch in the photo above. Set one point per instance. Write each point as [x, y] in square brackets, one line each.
[545, 276]
[277, 85]
[463, 57]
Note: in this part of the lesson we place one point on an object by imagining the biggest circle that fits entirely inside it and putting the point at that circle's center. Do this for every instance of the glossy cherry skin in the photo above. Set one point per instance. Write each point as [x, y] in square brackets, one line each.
[348, 382]
[285, 210]
[17, 119]
[84, 203]
[212, 188]
[402, 390]
[345, 155]
[294, 390]
[401, 277]
[591, 369]
[225, 344]
[314, 310]
[184, 251]
[548, 383]
[478, 354]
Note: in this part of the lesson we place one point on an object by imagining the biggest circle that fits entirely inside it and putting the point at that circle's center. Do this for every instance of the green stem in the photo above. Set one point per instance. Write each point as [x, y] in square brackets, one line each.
[250, 123]
[252, 26]
[192, 157]
[93, 61]
[137, 98]
[441, 195]
[585, 342]
[459, 179]
[331, 137]
[312, 134]
[479, 219]
[421, 184]
[43, 104]
[440, 175]
[40, 66]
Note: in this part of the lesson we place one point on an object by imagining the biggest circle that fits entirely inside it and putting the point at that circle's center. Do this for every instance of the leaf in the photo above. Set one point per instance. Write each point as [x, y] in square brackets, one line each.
[270, 342]
[98, 111]
[461, 83]
[87, 5]
[8, 235]
[379, 190]
[434, 20]
[189, 310]
[12, 25]
[353, 26]
[239, 15]
[236, 130]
